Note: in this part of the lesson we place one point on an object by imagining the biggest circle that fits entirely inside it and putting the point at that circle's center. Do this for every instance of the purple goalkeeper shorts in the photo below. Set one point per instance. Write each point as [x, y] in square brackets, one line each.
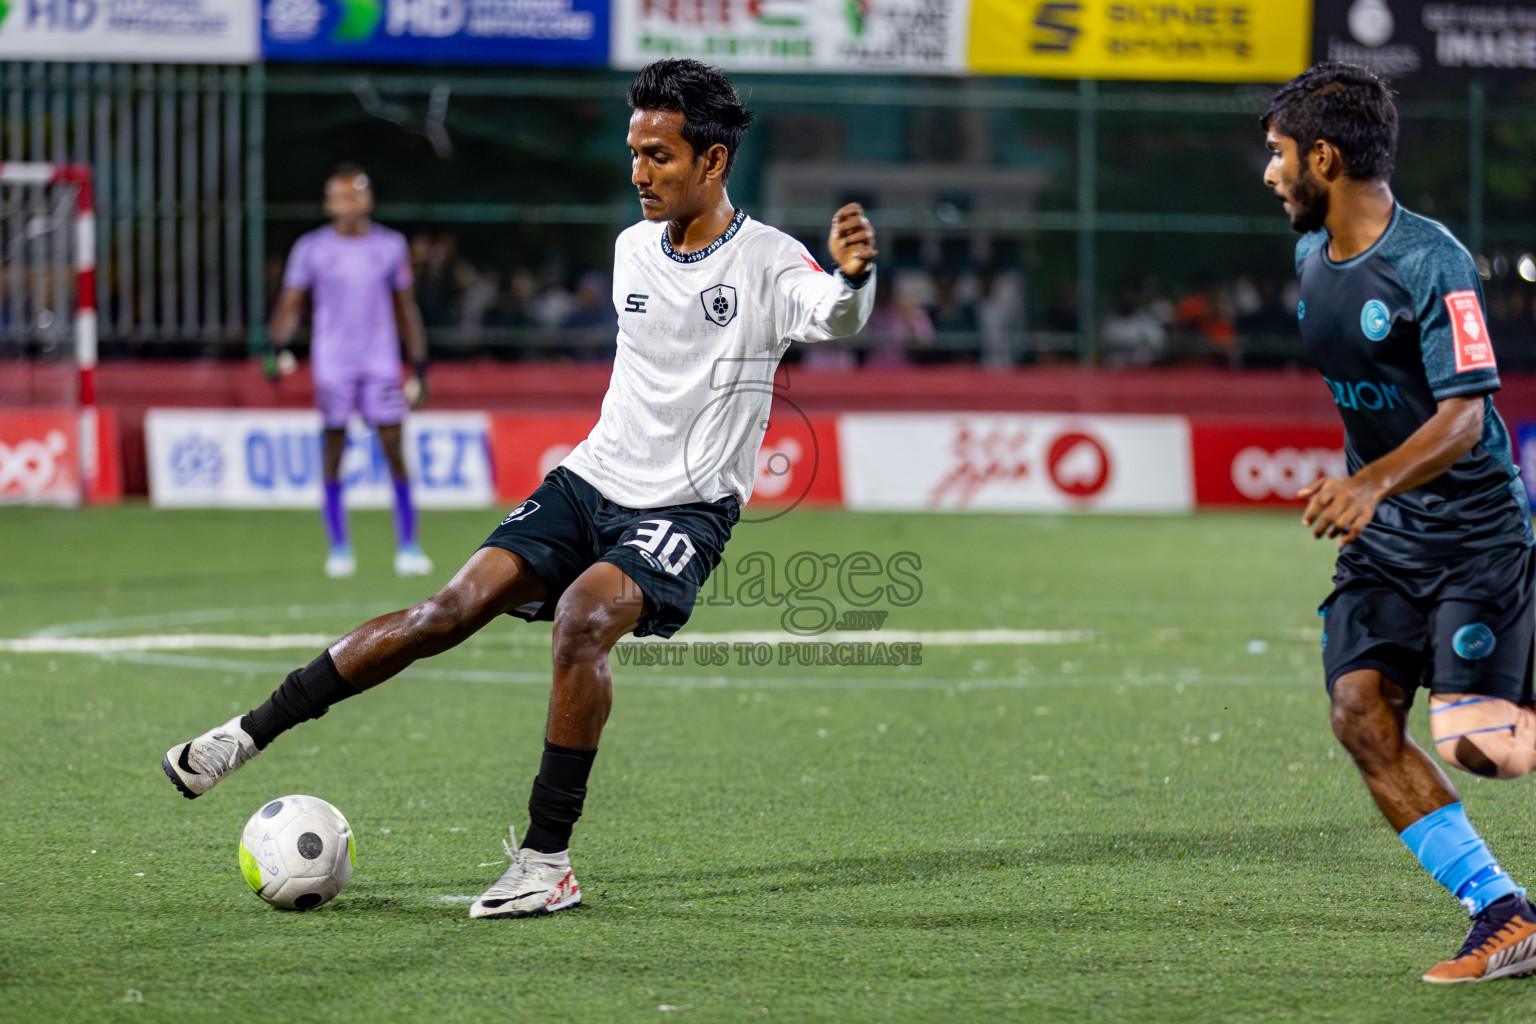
[380, 400]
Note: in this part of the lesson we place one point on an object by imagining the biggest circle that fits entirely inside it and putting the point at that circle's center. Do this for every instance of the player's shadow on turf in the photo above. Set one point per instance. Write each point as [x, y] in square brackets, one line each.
[1295, 845]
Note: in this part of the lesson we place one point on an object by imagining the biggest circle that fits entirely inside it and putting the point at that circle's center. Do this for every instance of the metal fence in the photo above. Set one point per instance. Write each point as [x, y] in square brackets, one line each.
[178, 154]
[167, 148]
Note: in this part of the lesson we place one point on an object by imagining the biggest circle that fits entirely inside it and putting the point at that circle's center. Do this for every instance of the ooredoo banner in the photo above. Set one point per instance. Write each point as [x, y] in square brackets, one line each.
[918, 36]
[1022, 463]
[216, 458]
[1262, 463]
[171, 31]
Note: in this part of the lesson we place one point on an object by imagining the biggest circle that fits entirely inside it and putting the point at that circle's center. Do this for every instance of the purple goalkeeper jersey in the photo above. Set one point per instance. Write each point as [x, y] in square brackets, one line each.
[352, 281]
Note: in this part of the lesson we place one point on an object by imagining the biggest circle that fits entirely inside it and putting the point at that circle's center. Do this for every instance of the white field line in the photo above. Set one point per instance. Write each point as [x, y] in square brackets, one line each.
[937, 638]
[164, 642]
[308, 641]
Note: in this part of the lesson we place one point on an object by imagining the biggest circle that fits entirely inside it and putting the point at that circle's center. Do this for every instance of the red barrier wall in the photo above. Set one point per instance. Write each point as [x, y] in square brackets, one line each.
[130, 388]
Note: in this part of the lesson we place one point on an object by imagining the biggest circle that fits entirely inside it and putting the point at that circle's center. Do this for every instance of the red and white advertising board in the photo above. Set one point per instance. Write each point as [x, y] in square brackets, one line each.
[797, 463]
[1262, 463]
[40, 453]
[1015, 463]
[40, 457]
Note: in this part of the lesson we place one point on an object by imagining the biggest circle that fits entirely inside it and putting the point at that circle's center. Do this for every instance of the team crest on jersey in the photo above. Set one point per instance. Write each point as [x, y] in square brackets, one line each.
[719, 303]
[522, 511]
[1375, 321]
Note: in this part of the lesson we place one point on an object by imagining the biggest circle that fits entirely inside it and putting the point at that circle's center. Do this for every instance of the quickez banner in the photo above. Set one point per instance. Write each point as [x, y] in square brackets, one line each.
[1015, 463]
[1261, 463]
[215, 458]
[541, 32]
[1398, 38]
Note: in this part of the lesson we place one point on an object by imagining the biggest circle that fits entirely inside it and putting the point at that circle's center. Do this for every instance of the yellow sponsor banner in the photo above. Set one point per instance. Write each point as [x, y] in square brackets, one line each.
[1182, 40]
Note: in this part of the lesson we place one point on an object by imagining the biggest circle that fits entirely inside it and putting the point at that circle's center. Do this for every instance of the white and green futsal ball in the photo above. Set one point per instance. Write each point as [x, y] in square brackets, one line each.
[296, 852]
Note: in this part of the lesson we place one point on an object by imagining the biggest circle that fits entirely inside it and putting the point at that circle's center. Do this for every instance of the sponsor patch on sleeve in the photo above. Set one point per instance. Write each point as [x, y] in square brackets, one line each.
[1474, 349]
[812, 264]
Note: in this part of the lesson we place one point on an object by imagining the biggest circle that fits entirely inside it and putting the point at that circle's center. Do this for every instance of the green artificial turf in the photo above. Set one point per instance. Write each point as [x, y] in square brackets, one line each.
[1148, 822]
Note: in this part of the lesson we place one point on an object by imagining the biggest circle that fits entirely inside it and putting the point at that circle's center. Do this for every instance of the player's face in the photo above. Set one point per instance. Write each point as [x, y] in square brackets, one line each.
[670, 179]
[348, 198]
[1300, 192]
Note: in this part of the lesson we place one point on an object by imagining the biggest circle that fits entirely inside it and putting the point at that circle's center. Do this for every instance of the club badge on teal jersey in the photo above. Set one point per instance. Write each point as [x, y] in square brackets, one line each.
[1375, 321]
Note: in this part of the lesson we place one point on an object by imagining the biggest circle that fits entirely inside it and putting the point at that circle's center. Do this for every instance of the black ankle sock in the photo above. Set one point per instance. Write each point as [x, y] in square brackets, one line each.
[305, 694]
[558, 793]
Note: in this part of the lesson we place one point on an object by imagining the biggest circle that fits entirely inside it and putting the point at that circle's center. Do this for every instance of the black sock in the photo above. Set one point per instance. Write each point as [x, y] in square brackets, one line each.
[558, 793]
[305, 694]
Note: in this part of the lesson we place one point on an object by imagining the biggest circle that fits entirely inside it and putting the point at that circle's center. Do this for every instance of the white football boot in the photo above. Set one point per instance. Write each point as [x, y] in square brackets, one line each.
[536, 883]
[340, 562]
[410, 560]
[197, 766]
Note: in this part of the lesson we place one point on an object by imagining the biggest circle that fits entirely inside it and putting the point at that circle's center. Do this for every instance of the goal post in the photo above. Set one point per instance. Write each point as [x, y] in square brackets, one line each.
[32, 240]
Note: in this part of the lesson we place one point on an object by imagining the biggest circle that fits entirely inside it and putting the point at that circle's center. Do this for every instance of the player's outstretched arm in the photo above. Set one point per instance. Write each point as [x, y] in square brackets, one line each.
[816, 306]
[1344, 508]
[852, 240]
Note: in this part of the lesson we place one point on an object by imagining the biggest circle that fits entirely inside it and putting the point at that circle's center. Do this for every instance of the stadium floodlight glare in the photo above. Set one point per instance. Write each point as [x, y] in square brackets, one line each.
[78, 177]
[1527, 267]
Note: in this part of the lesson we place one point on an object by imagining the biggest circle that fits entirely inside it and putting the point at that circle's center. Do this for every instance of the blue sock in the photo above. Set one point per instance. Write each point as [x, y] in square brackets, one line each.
[1456, 856]
[335, 514]
[405, 513]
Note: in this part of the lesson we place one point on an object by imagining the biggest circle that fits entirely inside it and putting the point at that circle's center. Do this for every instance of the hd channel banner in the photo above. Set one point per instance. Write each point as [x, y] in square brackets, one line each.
[1175, 40]
[524, 32]
[161, 31]
[912, 36]
[218, 458]
[1408, 38]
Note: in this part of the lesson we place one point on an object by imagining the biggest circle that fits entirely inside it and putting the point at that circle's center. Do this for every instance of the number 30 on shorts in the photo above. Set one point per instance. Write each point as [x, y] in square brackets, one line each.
[672, 548]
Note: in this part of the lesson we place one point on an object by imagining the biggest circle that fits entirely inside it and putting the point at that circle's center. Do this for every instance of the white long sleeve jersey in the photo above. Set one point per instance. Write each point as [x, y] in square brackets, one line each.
[700, 335]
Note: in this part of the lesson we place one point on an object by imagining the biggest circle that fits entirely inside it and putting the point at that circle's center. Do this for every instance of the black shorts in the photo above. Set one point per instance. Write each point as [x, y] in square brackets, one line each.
[565, 527]
[1464, 628]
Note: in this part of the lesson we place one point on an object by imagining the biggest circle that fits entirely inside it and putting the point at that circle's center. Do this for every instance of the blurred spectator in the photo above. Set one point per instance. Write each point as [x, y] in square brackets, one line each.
[1132, 335]
[1061, 313]
[591, 317]
[1202, 322]
[1000, 315]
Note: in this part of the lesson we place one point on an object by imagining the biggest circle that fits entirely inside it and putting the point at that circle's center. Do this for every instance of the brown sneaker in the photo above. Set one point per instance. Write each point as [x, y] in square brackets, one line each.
[1502, 944]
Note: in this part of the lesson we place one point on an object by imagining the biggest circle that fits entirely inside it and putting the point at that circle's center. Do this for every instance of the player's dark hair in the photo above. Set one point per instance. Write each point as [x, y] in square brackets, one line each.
[350, 170]
[711, 109]
[1342, 104]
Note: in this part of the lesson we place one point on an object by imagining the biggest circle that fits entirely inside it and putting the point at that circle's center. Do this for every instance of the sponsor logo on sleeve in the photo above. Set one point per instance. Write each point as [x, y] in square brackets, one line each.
[1474, 348]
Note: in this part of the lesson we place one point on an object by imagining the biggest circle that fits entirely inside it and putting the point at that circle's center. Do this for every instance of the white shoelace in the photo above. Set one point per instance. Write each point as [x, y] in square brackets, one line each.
[227, 748]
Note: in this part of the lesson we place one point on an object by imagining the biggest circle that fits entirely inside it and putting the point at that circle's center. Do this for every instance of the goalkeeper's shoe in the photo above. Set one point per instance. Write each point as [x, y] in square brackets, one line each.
[536, 883]
[1502, 944]
[340, 562]
[410, 560]
[197, 766]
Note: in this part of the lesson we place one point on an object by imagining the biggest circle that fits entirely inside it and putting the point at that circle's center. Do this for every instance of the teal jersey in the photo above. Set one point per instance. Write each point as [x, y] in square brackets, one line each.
[1394, 331]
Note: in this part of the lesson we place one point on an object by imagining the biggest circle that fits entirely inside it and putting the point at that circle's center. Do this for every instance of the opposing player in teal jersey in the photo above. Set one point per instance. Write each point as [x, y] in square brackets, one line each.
[1434, 581]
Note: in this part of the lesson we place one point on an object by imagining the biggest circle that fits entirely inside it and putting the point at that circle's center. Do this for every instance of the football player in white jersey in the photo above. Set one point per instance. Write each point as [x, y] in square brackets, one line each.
[621, 536]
